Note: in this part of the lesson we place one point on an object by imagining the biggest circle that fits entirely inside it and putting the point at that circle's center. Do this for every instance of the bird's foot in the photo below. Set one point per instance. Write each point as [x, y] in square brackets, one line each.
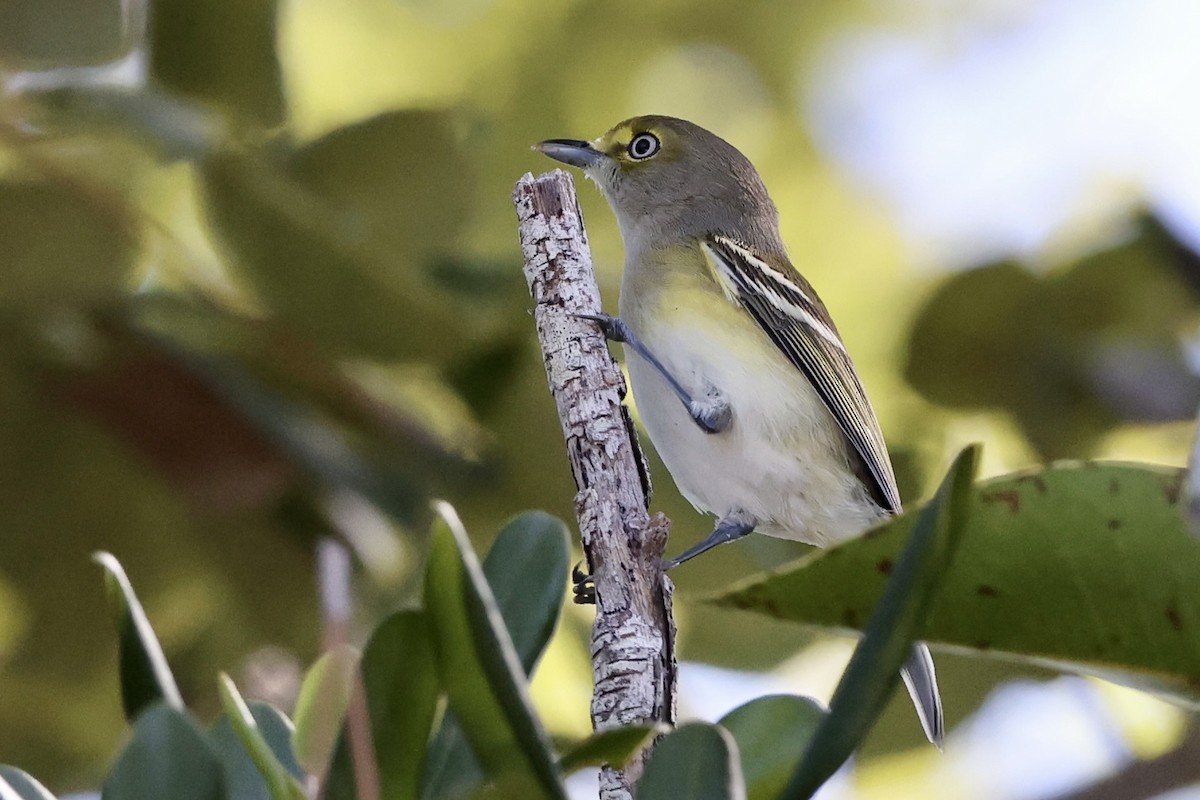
[613, 328]
[583, 588]
[713, 413]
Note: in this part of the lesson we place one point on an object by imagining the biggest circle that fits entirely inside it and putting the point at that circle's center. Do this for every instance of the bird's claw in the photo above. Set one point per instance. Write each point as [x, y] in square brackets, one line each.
[613, 328]
[583, 588]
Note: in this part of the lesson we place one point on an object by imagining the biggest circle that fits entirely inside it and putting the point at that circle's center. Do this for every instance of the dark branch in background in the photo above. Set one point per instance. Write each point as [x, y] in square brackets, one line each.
[1143, 780]
[633, 639]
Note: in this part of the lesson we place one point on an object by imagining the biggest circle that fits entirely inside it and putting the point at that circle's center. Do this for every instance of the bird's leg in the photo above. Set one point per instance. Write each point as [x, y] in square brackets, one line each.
[729, 528]
[712, 412]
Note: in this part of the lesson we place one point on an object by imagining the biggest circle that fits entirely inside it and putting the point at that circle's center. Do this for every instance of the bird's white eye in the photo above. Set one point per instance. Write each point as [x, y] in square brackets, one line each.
[643, 146]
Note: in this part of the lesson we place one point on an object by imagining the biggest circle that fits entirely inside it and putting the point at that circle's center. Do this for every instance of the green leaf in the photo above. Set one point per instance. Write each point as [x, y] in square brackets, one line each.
[479, 668]
[221, 52]
[403, 181]
[279, 782]
[16, 784]
[63, 33]
[325, 267]
[526, 569]
[771, 734]
[1097, 343]
[242, 776]
[56, 245]
[145, 676]
[321, 707]
[399, 672]
[168, 756]
[1086, 567]
[451, 769]
[696, 761]
[897, 620]
[614, 746]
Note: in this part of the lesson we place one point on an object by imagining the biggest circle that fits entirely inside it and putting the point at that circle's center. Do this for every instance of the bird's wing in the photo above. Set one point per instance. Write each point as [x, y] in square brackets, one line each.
[789, 312]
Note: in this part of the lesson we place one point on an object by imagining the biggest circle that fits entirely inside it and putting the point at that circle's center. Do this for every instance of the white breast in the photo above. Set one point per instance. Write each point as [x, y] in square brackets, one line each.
[783, 459]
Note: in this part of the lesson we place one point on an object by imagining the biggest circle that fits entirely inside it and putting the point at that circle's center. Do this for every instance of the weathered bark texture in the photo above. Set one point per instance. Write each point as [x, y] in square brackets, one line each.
[633, 638]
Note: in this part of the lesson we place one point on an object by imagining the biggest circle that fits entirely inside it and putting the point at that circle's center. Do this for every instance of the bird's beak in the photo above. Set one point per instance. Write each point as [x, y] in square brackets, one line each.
[575, 152]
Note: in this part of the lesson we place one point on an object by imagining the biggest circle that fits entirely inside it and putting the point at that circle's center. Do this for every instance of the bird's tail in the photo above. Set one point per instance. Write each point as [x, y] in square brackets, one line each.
[921, 679]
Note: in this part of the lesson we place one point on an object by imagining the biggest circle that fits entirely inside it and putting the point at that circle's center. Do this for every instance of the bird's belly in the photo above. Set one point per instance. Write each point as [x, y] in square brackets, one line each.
[783, 459]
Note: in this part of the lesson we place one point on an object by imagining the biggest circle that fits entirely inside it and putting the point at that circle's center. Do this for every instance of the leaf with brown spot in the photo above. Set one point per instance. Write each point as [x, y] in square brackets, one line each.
[1010, 498]
[1043, 575]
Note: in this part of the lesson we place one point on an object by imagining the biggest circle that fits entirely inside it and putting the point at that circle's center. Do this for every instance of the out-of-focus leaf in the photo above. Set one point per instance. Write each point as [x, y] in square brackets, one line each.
[221, 52]
[1131, 604]
[168, 756]
[275, 777]
[451, 769]
[321, 268]
[614, 746]
[56, 245]
[401, 180]
[479, 668]
[314, 412]
[18, 785]
[1070, 354]
[193, 437]
[696, 761]
[242, 778]
[897, 620]
[526, 569]
[482, 375]
[399, 672]
[772, 733]
[62, 33]
[145, 676]
[321, 707]
[173, 127]
[392, 480]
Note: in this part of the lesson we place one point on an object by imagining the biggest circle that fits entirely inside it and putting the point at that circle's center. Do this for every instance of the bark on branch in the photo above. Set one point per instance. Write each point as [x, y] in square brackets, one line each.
[633, 639]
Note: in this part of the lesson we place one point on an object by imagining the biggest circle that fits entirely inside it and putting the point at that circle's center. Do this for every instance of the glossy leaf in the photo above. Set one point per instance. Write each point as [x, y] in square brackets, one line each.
[1131, 604]
[897, 620]
[696, 761]
[614, 746]
[321, 707]
[242, 777]
[18, 785]
[772, 733]
[479, 668]
[168, 756]
[279, 782]
[526, 569]
[399, 672]
[145, 676]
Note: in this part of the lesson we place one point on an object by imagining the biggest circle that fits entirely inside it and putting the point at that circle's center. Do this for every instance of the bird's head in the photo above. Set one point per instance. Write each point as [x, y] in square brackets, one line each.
[669, 180]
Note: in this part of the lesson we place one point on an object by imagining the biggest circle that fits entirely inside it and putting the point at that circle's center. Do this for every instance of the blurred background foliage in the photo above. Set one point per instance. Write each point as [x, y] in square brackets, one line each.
[257, 256]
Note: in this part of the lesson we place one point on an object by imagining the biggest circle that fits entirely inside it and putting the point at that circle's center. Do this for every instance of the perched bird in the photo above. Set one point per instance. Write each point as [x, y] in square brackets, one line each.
[740, 376]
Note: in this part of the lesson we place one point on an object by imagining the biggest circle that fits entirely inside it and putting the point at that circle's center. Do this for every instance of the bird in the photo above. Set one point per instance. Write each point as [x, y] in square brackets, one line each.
[739, 374]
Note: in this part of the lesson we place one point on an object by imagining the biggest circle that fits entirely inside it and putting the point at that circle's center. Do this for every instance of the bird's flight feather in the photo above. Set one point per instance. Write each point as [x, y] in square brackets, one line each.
[784, 305]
